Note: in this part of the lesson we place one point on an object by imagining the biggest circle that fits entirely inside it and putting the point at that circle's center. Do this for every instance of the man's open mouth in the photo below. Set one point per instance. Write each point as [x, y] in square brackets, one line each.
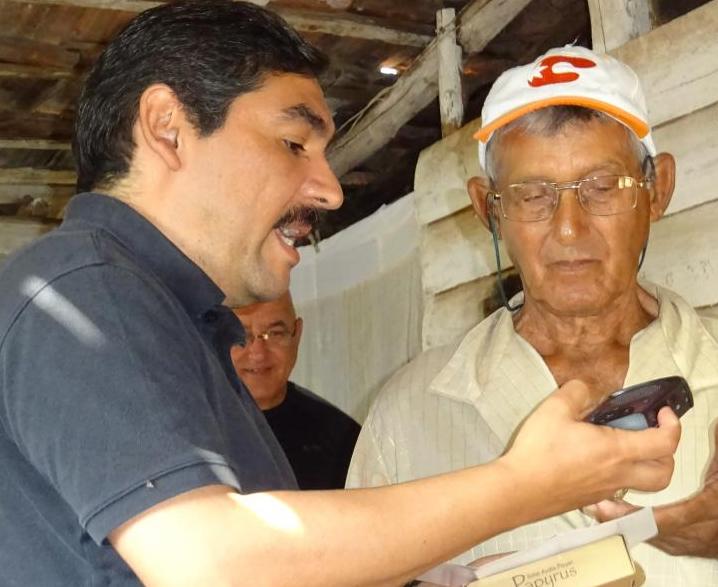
[296, 225]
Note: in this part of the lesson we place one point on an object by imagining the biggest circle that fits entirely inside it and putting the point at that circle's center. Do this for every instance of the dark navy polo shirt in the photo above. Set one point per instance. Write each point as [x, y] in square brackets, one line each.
[317, 437]
[117, 392]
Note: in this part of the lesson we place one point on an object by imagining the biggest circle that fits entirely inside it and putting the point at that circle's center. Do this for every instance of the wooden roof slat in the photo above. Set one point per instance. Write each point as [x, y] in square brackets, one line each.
[350, 25]
[478, 24]
[29, 176]
[307, 21]
[24, 51]
[15, 124]
[15, 233]
[35, 144]
[33, 71]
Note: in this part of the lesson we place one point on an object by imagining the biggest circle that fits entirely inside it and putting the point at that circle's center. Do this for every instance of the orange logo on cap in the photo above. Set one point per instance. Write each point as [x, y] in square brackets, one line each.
[545, 75]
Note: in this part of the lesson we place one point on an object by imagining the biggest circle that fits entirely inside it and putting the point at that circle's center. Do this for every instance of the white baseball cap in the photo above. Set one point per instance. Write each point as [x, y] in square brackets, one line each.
[568, 75]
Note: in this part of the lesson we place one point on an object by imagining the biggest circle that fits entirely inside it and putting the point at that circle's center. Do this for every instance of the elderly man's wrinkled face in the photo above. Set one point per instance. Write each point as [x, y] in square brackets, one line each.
[576, 263]
[264, 364]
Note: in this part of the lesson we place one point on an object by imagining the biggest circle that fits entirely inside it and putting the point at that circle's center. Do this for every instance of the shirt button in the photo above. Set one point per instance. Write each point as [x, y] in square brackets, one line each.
[210, 316]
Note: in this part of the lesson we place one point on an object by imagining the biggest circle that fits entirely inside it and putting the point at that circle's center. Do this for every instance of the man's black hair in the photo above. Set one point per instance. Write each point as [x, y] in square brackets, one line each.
[208, 52]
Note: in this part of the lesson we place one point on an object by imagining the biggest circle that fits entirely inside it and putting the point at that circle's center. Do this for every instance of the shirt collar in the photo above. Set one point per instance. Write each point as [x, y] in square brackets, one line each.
[152, 249]
[471, 365]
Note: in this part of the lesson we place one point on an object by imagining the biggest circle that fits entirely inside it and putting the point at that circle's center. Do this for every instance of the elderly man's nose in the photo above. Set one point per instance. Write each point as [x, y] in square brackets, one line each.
[569, 218]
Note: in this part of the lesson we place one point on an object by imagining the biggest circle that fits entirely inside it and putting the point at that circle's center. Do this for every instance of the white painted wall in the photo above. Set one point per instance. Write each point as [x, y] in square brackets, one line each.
[360, 298]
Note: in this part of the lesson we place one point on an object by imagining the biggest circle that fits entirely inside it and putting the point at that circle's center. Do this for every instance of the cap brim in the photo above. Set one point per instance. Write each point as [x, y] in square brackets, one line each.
[638, 126]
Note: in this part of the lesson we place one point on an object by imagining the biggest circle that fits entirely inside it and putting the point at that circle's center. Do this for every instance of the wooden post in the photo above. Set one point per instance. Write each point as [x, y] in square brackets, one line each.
[615, 22]
[479, 22]
[451, 100]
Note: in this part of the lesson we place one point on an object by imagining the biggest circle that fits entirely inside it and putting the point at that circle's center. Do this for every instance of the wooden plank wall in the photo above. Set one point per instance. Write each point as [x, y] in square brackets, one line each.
[678, 65]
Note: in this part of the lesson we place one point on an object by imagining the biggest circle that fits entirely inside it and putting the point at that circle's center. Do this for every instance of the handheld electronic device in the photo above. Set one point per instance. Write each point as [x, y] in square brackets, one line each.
[637, 407]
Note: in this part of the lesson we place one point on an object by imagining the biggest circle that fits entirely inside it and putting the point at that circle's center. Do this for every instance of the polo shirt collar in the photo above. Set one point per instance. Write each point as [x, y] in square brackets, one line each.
[192, 286]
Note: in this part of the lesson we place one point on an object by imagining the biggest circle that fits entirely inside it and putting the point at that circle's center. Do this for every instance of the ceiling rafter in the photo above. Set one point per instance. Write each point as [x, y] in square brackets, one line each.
[307, 21]
[477, 25]
[30, 176]
[34, 145]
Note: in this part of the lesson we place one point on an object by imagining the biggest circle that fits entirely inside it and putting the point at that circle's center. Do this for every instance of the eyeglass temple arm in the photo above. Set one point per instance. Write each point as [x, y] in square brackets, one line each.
[490, 198]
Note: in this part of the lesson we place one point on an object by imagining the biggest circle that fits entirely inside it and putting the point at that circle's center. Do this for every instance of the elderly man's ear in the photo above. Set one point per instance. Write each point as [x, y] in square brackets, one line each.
[478, 188]
[662, 188]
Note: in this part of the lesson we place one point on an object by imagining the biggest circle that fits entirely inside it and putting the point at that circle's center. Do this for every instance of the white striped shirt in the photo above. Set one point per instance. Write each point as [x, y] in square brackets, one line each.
[457, 406]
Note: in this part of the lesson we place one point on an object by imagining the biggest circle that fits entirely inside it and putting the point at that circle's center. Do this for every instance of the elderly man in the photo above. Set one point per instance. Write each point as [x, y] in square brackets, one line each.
[573, 184]
[317, 437]
[131, 453]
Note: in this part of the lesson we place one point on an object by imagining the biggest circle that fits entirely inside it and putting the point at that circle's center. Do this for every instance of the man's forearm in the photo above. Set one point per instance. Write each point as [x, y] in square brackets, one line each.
[384, 536]
[387, 536]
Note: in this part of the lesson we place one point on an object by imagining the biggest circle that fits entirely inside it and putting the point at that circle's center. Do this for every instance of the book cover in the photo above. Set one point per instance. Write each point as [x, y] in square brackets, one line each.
[604, 563]
[594, 556]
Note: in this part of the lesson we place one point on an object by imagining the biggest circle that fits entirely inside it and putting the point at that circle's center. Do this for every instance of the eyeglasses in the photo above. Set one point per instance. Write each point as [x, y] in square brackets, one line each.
[533, 201]
[274, 337]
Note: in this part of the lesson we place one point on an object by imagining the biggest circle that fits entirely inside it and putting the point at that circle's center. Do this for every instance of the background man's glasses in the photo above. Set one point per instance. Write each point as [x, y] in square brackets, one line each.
[276, 337]
[532, 201]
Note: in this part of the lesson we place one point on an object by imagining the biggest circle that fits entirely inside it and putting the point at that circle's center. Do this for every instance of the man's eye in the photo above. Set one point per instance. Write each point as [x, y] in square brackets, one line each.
[295, 148]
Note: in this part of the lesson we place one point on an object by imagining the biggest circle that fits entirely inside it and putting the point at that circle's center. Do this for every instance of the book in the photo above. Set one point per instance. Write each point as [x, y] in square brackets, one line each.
[604, 563]
[595, 556]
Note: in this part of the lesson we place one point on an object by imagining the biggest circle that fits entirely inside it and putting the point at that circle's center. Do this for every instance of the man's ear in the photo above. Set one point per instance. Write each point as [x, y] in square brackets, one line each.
[663, 186]
[160, 119]
[478, 188]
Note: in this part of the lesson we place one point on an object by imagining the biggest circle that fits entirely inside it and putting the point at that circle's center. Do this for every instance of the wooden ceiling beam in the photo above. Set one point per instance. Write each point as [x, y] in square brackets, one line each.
[350, 25]
[359, 178]
[33, 71]
[34, 145]
[615, 22]
[32, 176]
[15, 124]
[478, 24]
[306, 21]
[24, 51]
[16, 233]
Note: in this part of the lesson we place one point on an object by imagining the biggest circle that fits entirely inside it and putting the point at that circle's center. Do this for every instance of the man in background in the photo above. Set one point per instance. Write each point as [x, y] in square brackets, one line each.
[317, 437]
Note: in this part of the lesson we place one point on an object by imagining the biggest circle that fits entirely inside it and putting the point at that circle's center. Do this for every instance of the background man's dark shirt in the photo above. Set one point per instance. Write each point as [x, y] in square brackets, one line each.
[317, 437]
[117, 392]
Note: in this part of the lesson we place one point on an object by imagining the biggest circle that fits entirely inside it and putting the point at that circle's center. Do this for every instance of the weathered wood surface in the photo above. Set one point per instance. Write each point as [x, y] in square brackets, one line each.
[26, 175]
[450, 314]
[442, 172]
[677, 64]
[35, 144]
[416, 88]
[303, 20]
[615, 22]
[15, 233]
[451, 102]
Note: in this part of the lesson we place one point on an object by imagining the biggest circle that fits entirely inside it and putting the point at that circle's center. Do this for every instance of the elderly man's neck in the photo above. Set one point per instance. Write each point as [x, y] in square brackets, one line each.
[592, 347]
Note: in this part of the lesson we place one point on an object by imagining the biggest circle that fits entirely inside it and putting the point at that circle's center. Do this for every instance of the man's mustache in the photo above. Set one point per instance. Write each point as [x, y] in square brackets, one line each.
[299, 216]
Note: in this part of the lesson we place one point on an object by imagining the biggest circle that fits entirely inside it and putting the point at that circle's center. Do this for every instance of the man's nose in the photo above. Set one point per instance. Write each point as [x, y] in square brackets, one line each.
[256, 346]
[322, 187]
[569, 219]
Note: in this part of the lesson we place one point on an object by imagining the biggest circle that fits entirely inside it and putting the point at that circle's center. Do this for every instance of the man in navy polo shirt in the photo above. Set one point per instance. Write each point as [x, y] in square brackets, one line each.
[130, 452]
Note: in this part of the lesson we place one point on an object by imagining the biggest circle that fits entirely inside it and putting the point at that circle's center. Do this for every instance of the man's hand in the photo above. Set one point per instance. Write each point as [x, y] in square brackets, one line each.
[574, 460]
[687, 527]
